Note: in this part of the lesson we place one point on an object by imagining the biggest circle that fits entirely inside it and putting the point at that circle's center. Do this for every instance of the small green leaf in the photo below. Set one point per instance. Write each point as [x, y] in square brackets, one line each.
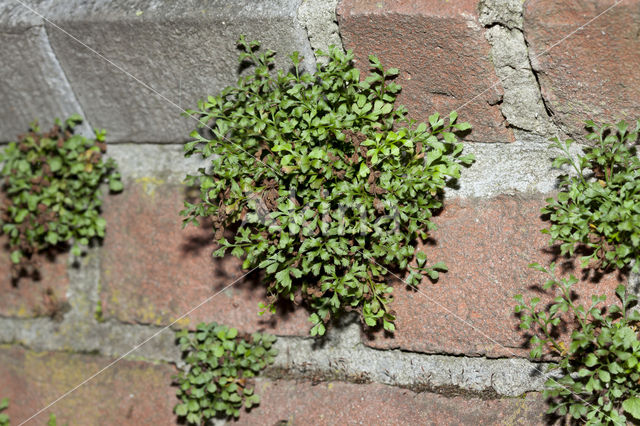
[232, 333]
[16, 255]
[115, 185]
[181, 410]
[364, 170]
[604, 376]
[55, 164]
[632, 406]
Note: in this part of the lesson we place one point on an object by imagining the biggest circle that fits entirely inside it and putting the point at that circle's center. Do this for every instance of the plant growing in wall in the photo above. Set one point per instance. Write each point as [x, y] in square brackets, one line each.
[332, 185]
[598, 206]
[51, 191]
[220, 366]
[600, 365]
[598, 209]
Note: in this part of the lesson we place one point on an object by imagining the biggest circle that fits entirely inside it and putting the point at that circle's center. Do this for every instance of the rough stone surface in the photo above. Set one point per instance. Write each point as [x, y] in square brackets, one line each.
[183, 51]
[153, 271]
[168, 165]
[522, 103]
[135, 392]
[34, 85]
[342, 356]
[487, 245]
[319, 19]
[128, 393]
[442, 53]
[524, 166]
[339, 356]
[504, 12]
[108, 338]
[289, 402]
[43, 295]
[633, 287]
[593, 73]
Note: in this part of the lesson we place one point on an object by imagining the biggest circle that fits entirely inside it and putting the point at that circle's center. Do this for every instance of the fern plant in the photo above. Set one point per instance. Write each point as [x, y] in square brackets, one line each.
[51, 184]
[600, 366]
[327, 184]
[217, 380]
[598, 206]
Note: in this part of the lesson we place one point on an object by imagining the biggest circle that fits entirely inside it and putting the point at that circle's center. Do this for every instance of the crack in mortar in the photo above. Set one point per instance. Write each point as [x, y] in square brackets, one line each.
[318, 17]
[545, 103]
[523, 106]
[342, 356]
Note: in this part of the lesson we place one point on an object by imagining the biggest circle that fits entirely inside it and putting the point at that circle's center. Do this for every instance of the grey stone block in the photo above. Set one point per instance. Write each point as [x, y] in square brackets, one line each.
[175, 53]
[32, 83]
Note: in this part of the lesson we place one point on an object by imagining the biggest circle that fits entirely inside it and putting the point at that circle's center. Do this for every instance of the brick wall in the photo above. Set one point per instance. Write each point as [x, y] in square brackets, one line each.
[519, 72]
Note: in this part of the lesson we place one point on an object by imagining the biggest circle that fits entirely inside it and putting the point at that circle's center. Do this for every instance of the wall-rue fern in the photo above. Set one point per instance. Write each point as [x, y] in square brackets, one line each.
[331, 185]
[52, 191]
[596, 209]
[220, 365]
[600, 366]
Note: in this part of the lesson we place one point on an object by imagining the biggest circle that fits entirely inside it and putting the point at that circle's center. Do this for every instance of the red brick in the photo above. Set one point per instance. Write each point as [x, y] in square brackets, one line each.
[152, 271]
[487, 245]
[374, 404]
[594, 73]
[29, 297]
[129, 393]
[441, 51]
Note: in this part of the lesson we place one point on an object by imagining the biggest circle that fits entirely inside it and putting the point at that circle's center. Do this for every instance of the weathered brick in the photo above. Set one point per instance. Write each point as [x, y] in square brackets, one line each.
[441, 50]
[346, 403]
[593, 73]
[128, 393]
[153, 271]
[33, 296]
[487, 245]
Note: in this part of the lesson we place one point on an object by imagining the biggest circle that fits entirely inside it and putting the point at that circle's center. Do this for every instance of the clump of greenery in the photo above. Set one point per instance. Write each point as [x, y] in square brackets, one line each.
[217, 381]
[600, 366]
[52, 191]
[598, 207]
[331, 185]
[4, 418]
